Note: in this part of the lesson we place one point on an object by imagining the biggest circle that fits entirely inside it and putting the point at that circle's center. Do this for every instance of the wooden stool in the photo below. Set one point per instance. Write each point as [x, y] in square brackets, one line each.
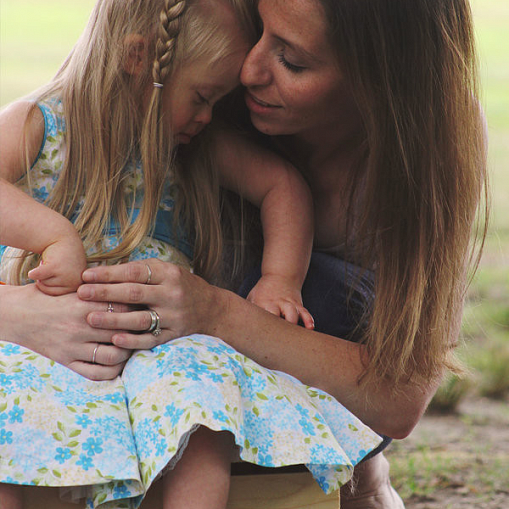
[251, 488]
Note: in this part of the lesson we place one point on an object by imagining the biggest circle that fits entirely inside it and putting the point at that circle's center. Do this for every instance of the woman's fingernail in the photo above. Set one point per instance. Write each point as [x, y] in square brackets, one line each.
[89, 276]
[85, 292]
[94, 320]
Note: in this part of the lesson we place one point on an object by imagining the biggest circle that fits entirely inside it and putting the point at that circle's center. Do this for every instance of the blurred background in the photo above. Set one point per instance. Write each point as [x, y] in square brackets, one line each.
[459, 455]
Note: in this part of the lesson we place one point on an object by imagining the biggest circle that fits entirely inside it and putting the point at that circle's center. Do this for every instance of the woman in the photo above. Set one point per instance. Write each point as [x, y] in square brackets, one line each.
[375, 103]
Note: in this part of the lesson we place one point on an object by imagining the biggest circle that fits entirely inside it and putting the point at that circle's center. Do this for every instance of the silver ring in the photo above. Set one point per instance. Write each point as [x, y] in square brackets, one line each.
[95, 352]
[154, 328]
[149, 276]
[110, 308]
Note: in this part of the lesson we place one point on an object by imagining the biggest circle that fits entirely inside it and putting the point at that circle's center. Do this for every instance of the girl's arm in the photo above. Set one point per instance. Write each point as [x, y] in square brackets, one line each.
[24, 222]
[187, 304]
[52, 326]
[277, 188]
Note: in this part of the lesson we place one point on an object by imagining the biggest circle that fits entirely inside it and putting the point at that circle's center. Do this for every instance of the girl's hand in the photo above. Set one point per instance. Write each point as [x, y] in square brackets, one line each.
[280, 297]
[61, 267]
[56, 327]
[184, 302]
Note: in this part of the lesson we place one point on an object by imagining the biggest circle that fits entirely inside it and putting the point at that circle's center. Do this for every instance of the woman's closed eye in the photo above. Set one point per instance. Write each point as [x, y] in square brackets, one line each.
[291, 67]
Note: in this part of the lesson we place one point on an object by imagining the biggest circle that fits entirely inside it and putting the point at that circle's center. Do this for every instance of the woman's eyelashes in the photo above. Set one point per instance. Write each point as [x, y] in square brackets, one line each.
[291, 67]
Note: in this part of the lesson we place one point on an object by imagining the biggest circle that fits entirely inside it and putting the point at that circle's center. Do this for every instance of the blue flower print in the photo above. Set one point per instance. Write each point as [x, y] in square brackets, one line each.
[63, 454]
[220, 416]
[10, 480]
[120, 492]
[83, 420]
[173, 413]
[16, 414]
[85, 462]
[3, 418]
[265, 460]
[361, 455]
[161, 447]
[5, 437]
[322, 481]
[10, 349]
[40, 194]
[93, 446]
[5, 380]
[116, 397]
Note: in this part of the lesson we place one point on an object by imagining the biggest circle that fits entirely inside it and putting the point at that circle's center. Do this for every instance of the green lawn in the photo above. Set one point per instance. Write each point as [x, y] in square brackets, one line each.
[36, 35]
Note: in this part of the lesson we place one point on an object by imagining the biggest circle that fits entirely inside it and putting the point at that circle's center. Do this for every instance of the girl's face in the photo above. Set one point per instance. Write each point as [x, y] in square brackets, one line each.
[190, 94]
[294, 85]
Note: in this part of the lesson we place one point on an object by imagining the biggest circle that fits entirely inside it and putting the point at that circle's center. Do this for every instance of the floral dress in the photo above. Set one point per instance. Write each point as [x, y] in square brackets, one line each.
[108, 441]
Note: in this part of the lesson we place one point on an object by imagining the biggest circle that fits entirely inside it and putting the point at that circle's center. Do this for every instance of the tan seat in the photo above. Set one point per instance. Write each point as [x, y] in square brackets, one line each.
[252, 490]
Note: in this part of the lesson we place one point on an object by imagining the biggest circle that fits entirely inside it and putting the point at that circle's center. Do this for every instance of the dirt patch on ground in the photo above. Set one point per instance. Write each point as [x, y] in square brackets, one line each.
[458, 461]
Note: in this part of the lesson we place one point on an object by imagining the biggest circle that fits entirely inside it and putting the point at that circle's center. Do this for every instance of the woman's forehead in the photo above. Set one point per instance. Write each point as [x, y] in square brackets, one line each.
[297, 22]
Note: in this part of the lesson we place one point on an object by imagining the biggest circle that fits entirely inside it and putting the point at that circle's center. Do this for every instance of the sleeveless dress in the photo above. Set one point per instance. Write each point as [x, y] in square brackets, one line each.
[109, 441]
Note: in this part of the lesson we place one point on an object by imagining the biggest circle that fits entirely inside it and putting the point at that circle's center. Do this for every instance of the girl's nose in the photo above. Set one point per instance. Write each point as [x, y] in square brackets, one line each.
[255, 70]
[204, 116]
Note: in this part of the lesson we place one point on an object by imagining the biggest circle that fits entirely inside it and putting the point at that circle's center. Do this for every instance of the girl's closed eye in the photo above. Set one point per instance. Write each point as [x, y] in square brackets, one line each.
[288, 65]
[201, 99]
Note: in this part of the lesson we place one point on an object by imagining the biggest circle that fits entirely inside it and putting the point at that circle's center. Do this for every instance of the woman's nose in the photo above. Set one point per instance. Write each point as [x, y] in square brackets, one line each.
[255, 70]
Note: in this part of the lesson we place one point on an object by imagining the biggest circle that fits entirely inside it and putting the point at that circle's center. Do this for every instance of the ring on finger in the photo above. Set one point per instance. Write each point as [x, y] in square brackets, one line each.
[154, 328]
[149, 274]
[110, 308]
[95, 353]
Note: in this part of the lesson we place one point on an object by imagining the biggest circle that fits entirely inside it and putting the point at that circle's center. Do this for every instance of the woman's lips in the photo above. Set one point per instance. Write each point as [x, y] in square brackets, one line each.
[257, 105]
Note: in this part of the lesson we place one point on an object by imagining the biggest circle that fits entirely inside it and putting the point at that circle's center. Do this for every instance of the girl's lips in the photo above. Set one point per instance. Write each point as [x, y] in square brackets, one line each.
[184, 138]
[257, 105]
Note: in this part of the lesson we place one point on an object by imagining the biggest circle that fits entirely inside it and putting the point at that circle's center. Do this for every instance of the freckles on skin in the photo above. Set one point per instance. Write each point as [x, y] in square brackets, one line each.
[292, 76]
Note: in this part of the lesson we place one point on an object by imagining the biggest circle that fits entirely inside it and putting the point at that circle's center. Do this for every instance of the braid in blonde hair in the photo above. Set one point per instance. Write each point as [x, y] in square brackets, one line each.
[165, 45]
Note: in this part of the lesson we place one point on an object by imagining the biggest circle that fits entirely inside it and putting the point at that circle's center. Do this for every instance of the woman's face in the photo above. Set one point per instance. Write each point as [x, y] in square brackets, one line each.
[294, 85]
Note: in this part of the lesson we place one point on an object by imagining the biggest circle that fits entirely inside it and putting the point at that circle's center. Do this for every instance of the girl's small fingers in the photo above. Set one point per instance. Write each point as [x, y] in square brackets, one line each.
[306, 318]
[289, 312]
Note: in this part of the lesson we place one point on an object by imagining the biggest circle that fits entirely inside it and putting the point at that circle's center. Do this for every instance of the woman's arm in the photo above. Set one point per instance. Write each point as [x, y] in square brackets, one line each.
[56, 327]
[187, 304]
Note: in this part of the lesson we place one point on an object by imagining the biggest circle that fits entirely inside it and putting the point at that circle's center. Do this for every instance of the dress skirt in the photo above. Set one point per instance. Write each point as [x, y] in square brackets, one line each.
[110, 440]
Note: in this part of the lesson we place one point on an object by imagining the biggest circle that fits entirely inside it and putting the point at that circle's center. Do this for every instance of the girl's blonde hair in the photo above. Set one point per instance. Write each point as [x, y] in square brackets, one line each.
[411, 67]
[106, 128]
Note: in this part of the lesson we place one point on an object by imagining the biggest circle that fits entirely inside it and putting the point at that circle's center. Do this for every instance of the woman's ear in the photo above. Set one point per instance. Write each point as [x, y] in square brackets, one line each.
[135, 54]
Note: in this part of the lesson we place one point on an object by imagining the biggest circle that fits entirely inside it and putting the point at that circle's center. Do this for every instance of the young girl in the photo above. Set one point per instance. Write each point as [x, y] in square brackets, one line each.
[142, 80]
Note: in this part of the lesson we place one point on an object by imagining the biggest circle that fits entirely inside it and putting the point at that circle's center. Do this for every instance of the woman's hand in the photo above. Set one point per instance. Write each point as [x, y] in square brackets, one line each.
[56, 327]
[184, 302]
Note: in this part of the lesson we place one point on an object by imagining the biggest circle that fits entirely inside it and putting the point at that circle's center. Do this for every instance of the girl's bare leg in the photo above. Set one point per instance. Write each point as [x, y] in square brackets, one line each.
[11, 496]
[201, 479]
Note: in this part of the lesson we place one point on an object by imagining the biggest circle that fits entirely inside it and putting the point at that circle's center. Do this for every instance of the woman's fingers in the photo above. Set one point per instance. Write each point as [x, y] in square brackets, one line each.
[144, 272]
[106, 354]
[96, 372]
[145, 341]
[133, 321]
